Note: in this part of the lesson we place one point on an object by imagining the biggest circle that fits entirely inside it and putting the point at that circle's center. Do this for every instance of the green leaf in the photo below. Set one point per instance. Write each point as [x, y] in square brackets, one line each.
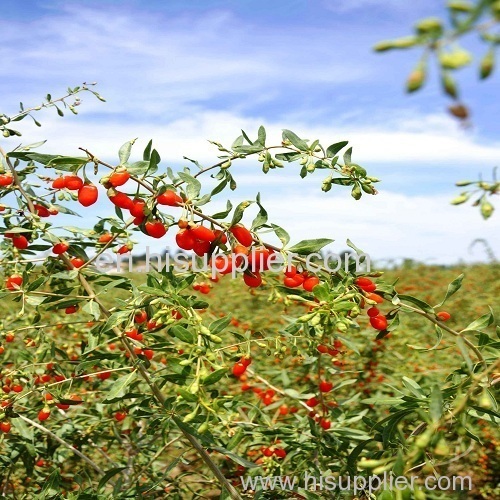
[93, 309]
[236, 439]
[399, 464]
[335, 148]
[453, 287]
[487, 63]
[193, 186]
[214, 376]
[138, 168]
[480, 323]
[146, 156]
[295, 140]
[465, 353]
[281, 234]
[262, 136]
[124, 151]
[348, 157]
[382, 401]
[52, 485]
[225, 213]
[439, 336]
[413, 387]
[192, 398]
[115, 319]
[220, 187]
[235, 458]
[119, 387]
[306, 247]
[261, 217]
[182, 333]
[350, 244]
[436, 404]
[322, 291]
[238, 212]
[219, 325]
[289, 157]
[109, 474]
[417, 302]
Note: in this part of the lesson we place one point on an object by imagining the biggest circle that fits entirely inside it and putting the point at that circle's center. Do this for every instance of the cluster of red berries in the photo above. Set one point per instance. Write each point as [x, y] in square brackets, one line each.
[324, 387]
[294, 279]
[9, 386]
[241, 366]
[331, 350]
[202, 287]
[269, 451]
[377, 320]
[87, 192]
[196, 237]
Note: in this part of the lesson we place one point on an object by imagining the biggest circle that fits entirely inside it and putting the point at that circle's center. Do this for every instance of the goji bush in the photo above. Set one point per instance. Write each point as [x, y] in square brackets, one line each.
[136, 385]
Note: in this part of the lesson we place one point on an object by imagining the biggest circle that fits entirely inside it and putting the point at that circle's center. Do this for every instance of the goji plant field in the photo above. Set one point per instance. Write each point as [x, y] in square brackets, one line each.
[292, 409]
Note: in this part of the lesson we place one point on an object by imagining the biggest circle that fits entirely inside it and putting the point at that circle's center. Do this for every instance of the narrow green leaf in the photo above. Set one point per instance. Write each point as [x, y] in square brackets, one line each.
[52, 485]
[436, 404]
[124, 151]
[119, 387]
[146, 156]
[138, 168]
[92, 308]
[305, 247]
[413, 387]
[417, 302]
[109, 474]
[335, 148]
[281, 234]
[238, 212]
[182, 333]
[262, 136]
[261, 217]
[193, 186]
[453, 287]
[225, 213]
[348, 157]
[480, 323]
[295, 140]
[214, 376]
[465, 353]
[236, 439]
[219, 325]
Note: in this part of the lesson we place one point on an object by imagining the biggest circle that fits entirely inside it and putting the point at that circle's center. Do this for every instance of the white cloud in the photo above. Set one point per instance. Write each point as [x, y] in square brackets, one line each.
[424, 142]
[350, 5]
[157, 66]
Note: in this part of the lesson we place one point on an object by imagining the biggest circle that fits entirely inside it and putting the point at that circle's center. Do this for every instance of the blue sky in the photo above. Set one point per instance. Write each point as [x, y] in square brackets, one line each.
[183, 72]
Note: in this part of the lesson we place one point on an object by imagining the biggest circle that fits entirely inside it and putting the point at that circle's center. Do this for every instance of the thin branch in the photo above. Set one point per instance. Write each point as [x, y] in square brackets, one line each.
[64, 443]
[17, 182]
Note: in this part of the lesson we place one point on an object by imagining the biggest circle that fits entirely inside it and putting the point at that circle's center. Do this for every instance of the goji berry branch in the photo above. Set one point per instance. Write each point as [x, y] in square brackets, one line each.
[156, 391]
[64, 443]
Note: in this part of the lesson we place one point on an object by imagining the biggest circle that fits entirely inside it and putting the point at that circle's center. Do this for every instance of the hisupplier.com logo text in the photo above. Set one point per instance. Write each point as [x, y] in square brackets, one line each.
[234, 264]
[356, 484]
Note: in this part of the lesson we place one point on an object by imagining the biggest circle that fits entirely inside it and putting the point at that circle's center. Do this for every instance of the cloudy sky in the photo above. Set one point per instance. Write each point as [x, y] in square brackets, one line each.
[183, 72]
